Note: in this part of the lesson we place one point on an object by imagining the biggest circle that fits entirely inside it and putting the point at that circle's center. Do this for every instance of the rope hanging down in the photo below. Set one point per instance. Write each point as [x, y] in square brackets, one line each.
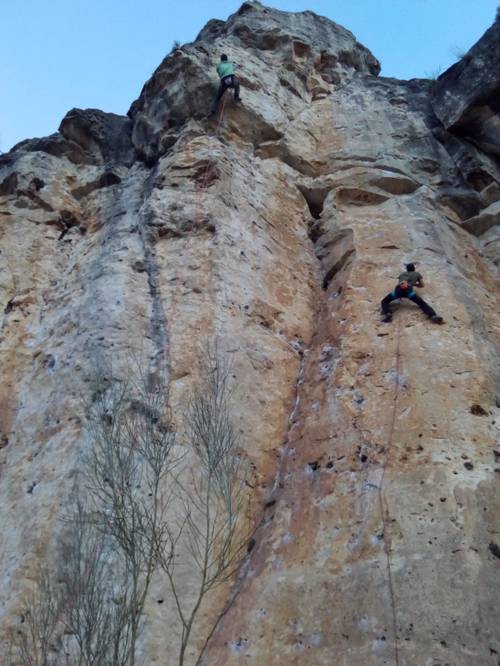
[384, 510]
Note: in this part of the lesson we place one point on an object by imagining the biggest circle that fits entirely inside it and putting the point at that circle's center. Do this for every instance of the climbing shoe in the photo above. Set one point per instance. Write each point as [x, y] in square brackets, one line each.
[437, 319]
[387, 319]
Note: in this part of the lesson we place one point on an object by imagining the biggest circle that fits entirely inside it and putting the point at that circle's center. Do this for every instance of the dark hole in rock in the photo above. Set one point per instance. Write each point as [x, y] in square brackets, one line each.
[160, 601]
[468, 465]
[66, 221]
[37, 183]
[314, 465]
[139, 266]
[9, 307]
[8, 185]
[300, 49]
[49, 362]
[107, 179]
[363, 457]
[494, 549]
[251, 545]
[329, 464]
[270, 503]
[31, 488]
[478, 178]
[477, 410]
[496, 455]
[315, 199]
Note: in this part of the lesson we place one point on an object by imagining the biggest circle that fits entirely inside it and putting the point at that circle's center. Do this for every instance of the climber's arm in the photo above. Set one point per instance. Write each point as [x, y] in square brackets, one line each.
[419, 281]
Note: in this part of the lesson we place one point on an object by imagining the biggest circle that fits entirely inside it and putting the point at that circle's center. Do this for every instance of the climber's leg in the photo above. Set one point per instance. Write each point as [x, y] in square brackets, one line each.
[386, 307]
[425, 307]
[220, 92]
[385, 303]
[236, 86]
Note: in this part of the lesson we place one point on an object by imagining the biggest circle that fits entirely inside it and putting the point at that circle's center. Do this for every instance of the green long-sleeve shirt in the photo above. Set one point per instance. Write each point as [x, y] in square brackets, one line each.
[225, 68]
[412, 277]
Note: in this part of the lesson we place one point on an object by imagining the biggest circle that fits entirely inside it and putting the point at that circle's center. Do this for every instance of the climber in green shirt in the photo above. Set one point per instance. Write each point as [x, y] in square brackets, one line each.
[407, 281]
[225, 70]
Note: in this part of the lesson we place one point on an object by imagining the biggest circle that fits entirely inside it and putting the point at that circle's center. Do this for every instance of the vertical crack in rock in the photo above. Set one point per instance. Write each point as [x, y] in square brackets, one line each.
[100, 311]
[327, 251]
[285, 471]
[160, 364]
[278, 482]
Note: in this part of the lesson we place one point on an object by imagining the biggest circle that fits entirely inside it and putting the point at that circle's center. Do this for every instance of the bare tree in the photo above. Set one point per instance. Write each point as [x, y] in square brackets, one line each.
[34, 642]
[95, 588]
[132, 455]
[80, 616]
[215, 527]
[123, 526]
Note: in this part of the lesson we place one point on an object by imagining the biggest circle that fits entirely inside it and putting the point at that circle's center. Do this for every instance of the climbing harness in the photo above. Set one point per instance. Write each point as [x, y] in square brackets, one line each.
[384, 509]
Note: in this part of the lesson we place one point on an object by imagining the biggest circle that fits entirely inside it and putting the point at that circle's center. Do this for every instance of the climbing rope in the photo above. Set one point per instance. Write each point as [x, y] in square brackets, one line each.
[384, 510]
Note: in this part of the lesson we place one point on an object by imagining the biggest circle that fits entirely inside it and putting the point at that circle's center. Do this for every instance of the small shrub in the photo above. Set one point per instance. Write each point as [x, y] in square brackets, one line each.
[458, 52]
[434, 74]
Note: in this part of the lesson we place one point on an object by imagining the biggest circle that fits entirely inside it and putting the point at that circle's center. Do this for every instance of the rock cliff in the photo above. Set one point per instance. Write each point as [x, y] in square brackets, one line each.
[375, 447]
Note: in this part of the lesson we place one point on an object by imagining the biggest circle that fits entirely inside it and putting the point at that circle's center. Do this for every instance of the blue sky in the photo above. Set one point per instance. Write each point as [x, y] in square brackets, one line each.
[58, 54]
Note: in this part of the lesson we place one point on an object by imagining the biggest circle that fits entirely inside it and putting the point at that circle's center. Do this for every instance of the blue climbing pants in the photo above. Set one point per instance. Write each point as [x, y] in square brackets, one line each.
[399, 292]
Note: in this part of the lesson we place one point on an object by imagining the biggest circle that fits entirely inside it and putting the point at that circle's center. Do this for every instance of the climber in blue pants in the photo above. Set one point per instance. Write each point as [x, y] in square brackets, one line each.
[405, 288]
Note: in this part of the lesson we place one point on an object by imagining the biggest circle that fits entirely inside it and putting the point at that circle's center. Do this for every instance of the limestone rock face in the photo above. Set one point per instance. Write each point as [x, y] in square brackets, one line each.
[272, 47]
[375, 447]
[467, 96]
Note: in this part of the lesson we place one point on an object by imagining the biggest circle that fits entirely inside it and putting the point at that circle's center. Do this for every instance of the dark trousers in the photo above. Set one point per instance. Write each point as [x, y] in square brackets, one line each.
[230, 81]
[399, 292]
